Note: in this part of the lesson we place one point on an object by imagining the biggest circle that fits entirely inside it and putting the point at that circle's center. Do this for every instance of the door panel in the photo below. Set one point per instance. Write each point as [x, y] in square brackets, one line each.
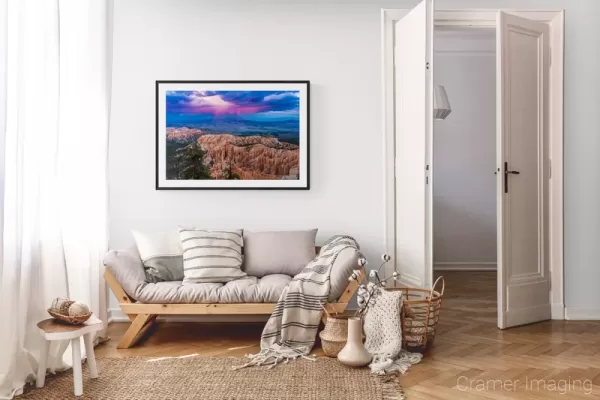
[523, 122]
[413, 56]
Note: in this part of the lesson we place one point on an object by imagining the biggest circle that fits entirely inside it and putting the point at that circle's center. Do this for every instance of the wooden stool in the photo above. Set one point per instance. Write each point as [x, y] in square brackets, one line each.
[53, 330]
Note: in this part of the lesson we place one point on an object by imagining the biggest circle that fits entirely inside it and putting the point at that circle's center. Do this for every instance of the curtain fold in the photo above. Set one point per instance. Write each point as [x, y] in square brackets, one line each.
[55, 58]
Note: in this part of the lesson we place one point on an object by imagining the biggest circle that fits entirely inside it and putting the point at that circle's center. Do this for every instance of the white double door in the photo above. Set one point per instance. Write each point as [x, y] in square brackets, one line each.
[522, 160]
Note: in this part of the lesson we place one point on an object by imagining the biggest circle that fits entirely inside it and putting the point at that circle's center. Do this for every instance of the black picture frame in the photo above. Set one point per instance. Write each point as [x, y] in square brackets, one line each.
[304, 184]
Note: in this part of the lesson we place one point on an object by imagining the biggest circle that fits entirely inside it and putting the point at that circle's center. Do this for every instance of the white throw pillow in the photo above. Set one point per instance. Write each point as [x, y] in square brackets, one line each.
[211, 255]
[161, 254]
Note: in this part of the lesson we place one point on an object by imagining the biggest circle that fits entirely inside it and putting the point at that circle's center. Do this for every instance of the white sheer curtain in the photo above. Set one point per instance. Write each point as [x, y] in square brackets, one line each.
[55, 58]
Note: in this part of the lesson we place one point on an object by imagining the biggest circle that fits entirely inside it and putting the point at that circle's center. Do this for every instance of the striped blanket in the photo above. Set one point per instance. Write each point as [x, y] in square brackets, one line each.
[291, 330]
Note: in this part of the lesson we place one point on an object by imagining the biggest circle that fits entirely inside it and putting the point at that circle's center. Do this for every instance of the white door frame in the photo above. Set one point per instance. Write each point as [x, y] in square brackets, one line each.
[486, 18]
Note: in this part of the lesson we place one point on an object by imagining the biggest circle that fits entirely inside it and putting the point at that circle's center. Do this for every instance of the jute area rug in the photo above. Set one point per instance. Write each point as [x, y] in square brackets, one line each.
[213, 379]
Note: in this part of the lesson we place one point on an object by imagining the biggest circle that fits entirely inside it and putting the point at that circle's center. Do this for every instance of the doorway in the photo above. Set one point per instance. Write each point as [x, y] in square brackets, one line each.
[526, 264]
[464, 155]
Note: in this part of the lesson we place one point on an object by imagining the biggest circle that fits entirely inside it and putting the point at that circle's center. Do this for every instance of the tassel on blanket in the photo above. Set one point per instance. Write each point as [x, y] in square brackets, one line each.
[383, 364]
[276, 354]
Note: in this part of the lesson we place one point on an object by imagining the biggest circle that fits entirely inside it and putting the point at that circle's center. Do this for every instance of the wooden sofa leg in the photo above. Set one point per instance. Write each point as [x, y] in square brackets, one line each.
[138, 327]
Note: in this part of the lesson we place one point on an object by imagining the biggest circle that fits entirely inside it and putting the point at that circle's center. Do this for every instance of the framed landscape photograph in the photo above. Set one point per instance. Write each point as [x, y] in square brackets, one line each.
[232, 134]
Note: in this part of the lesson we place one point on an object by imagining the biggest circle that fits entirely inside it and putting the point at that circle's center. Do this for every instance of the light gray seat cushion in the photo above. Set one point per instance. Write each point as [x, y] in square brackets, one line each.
[244, 290]
[128, 269]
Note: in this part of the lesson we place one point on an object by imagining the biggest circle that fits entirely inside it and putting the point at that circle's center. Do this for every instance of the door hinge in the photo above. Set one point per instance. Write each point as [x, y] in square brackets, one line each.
[427, 65]
[427, 174]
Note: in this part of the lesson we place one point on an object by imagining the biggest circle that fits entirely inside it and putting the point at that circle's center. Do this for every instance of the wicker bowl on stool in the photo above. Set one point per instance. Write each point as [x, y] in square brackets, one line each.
[69, 319]
[62, 310]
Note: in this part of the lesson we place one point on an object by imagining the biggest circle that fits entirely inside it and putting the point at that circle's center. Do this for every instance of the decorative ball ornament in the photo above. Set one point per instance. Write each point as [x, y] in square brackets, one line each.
[385, 257]
[362, 262]
[61, 305]
[58, 302]
[77, 309]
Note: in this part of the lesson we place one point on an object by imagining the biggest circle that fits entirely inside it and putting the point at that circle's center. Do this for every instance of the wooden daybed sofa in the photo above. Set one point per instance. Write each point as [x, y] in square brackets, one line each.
[143, 301]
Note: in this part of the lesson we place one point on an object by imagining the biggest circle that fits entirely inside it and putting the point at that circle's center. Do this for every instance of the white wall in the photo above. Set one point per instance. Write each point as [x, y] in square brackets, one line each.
[206, 40]
[337, 50]
[464, 192]
[335, 44]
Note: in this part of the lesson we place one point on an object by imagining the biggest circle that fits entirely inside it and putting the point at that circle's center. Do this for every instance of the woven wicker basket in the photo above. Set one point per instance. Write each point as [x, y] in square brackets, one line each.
[420, 315]
[335, 335]
[69, 319]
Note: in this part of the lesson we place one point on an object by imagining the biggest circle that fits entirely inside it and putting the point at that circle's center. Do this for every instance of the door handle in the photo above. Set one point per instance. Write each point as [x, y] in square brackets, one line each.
[506, 172]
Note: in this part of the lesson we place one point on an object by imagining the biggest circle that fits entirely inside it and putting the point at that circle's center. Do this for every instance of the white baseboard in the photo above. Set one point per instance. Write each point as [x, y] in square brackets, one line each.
[558, 311]
[117, 315]
[464, 266]
[582, 314]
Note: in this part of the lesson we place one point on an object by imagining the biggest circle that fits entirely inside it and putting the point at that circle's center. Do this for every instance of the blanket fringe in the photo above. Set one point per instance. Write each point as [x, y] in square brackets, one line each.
[274, 355]
[385, 363]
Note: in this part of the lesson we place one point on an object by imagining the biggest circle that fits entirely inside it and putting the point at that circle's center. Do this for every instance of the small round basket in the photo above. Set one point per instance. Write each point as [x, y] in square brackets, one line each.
[69, 319]
[331, 348]
[420, 315]
[335, 335]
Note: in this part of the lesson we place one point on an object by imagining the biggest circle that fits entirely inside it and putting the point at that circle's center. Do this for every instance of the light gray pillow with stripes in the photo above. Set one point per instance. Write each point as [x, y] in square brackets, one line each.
[161, 254]
[211, 255]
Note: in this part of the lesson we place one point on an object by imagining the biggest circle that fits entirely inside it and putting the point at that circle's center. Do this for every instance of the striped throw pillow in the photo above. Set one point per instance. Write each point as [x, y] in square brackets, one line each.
[211, 255]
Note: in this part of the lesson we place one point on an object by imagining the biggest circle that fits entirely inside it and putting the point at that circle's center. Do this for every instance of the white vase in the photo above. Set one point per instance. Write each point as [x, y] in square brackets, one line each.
[354, 354]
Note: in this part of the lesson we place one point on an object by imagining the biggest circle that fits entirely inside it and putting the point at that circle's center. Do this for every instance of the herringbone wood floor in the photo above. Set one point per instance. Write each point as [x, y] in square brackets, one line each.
[471, 358]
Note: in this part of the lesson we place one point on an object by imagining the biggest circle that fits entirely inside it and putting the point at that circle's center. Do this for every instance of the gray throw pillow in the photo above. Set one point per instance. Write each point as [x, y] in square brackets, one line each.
[161, 254]
[283, 252]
